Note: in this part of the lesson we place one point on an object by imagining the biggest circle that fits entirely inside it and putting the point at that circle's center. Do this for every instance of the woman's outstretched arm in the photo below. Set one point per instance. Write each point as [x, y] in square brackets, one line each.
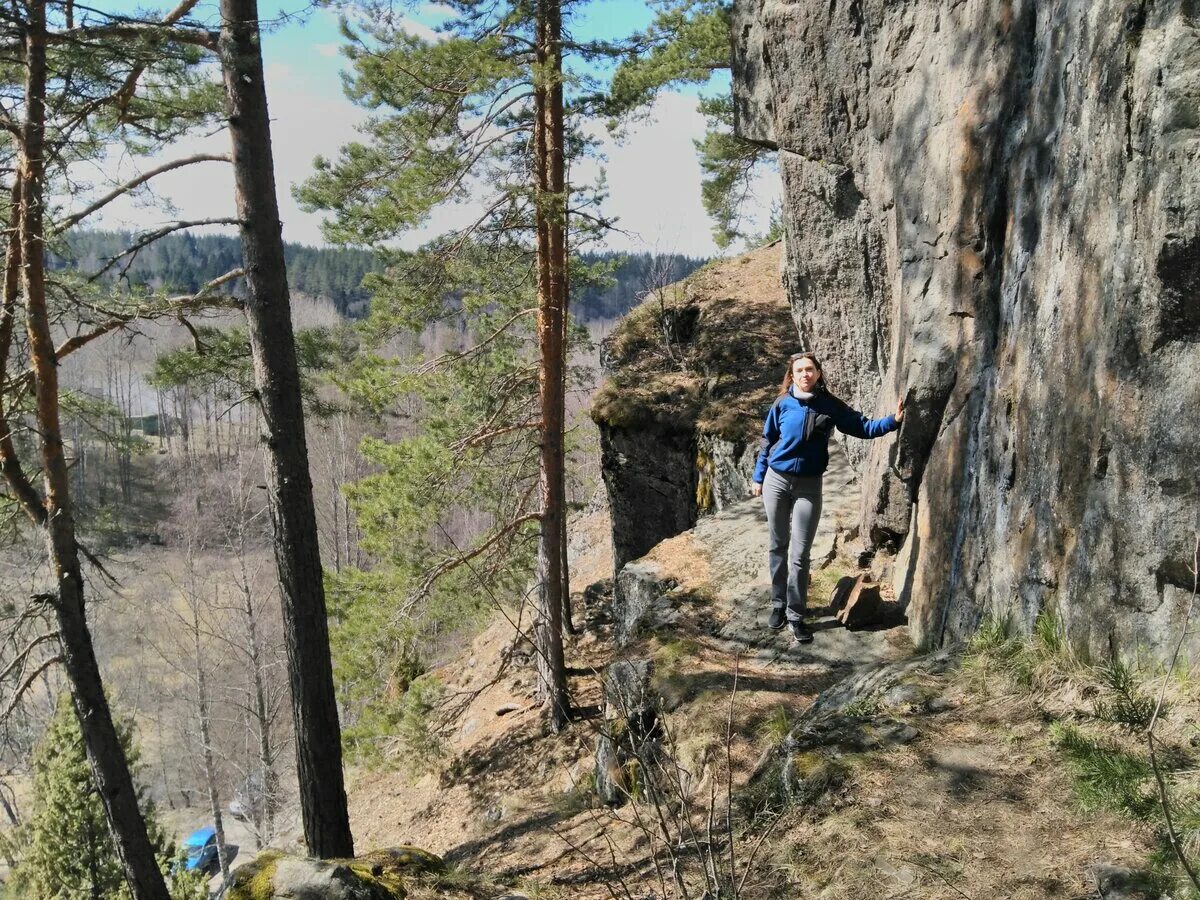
[852, 422]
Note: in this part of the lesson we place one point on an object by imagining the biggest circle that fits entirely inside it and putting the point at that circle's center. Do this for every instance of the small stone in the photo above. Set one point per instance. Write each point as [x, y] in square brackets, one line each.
[939, 704]
[573, 778]
[902, 695]
[469, 727]
[506, 708]
[897, 733]
[1119, 883]
[494, 813]
[471, 663]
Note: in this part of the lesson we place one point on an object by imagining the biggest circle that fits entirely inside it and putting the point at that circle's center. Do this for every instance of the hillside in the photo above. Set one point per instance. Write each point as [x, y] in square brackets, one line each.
[851, 769]
[912, 776]
[185, 262]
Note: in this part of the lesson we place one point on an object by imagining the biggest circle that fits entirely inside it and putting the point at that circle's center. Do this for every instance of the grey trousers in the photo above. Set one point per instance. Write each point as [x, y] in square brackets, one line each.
[793, 505]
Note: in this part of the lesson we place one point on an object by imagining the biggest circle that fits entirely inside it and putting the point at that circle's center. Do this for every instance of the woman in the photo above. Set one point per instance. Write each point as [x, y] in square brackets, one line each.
[795, 453]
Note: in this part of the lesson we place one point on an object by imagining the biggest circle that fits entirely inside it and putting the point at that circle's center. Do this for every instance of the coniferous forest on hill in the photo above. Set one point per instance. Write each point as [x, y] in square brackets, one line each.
[185, 262]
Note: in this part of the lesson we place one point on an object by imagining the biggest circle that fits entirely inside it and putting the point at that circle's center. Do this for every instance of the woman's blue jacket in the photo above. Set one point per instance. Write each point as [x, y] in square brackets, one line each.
[796, 434]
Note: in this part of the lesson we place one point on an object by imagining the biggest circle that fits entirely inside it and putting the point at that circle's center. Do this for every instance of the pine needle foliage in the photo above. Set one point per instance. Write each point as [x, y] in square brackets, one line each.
[1123, 702]
[68, 851]
[1107, 776]
[687, 43]
[452, 357]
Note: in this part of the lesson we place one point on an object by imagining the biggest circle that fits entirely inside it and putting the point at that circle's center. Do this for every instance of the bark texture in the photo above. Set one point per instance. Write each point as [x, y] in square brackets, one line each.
[991, 208]
[277, 377]
[551, 284]
[109, 767]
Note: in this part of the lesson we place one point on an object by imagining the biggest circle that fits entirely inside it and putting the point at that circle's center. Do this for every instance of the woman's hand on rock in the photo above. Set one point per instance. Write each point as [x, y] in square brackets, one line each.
[900, 410]
[756, 490]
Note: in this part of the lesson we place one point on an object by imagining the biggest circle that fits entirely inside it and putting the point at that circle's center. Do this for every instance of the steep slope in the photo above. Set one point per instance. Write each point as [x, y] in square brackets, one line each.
[991, 209]
[858, 772]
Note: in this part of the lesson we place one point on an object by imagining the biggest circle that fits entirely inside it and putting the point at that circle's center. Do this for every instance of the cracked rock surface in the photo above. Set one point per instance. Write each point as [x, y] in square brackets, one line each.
[991, 208]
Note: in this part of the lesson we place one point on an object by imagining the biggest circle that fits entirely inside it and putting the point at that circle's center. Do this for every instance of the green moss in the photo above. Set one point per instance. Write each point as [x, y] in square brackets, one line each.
[704, 483]
[400, 860]
[256, 880]
[385, 869]
[633, 778]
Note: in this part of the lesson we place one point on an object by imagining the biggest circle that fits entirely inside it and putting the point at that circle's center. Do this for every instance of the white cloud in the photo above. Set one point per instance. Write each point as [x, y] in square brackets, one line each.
[304, 123]
[330, 50]
[409, 25]
[654, 183]
[653, 175]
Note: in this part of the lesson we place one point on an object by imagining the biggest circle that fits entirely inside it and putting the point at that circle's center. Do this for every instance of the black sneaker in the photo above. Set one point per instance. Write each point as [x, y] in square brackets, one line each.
[778, 618]
[801, 633]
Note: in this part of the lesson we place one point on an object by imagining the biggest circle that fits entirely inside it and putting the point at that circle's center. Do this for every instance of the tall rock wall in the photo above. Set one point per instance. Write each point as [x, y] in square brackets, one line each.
[991, 208]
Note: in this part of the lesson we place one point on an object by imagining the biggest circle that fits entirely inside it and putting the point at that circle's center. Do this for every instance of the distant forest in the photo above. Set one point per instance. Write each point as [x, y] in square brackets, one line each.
[184, 262]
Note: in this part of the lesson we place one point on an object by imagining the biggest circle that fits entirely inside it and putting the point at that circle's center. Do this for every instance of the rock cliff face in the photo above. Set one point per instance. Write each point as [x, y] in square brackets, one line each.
[992, 209]
[691, 373]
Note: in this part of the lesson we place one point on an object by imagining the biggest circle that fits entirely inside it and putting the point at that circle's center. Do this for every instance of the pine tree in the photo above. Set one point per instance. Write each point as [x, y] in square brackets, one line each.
[490, 108]
[80, 82]
[69, 853]
[686, 44]
[318, 736]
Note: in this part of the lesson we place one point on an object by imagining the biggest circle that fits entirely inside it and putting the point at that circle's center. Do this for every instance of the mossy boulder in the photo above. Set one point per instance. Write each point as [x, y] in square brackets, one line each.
[378, 875]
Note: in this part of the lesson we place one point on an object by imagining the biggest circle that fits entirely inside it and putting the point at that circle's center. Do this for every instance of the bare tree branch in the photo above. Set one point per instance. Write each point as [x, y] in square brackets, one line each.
[76, 218]
[1172, 836]
[174, 306]
[19, 660]
[27, 684]
[150, 237]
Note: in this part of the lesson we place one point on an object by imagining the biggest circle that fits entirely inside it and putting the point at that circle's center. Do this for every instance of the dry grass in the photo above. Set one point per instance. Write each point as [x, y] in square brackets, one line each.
[682, 560]
[983, 803]
[715, 363]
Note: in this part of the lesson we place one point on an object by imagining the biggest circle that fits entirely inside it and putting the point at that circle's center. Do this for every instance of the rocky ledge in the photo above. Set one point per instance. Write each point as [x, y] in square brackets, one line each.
[690, 374]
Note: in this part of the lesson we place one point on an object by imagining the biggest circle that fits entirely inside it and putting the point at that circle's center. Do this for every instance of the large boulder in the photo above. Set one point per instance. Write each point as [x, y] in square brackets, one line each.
[991, 209]
[689, 375]
[377, 875]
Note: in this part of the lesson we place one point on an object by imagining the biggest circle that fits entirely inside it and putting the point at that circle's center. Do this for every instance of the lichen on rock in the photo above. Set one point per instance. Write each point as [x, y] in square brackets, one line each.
[378, 875]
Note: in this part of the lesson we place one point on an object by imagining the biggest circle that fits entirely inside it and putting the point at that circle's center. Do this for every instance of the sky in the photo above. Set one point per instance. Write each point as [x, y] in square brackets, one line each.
[653, 174]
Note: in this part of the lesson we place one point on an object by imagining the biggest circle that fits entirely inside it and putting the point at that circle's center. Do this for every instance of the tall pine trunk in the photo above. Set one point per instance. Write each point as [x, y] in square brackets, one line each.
[109, 767]
[551, 284]
[276, 374]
